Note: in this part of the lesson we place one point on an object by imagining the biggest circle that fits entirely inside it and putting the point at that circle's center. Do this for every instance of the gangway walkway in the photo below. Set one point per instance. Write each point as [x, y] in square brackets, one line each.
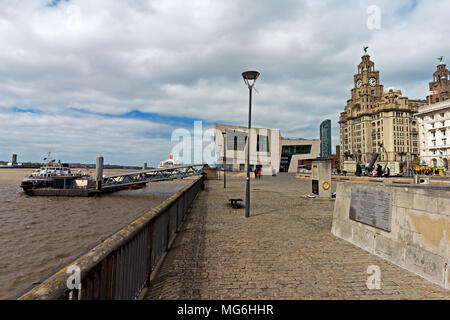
[151, 175]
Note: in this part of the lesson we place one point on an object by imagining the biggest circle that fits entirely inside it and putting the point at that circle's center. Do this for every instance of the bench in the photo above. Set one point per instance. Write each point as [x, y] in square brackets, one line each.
[234, 201]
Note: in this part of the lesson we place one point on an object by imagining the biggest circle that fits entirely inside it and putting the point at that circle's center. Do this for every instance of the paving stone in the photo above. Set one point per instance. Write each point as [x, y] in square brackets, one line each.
[285, 250]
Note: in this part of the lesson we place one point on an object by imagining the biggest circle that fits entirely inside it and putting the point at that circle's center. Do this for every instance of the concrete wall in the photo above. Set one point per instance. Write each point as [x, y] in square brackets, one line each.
[420, 228]
[211, 173]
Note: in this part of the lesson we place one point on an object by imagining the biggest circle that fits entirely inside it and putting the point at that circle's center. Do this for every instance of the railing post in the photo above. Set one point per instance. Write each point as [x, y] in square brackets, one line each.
[149, 253]
[168, 227]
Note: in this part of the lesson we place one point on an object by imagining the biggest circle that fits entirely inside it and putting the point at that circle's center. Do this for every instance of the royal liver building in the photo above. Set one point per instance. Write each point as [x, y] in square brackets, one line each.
[378, 121]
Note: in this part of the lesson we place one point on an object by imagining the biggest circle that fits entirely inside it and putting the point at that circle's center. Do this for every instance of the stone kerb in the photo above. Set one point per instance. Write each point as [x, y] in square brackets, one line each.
[420, 228]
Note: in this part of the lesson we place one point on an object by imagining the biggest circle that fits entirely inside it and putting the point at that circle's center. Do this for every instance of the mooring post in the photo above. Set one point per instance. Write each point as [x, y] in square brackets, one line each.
[99, 173]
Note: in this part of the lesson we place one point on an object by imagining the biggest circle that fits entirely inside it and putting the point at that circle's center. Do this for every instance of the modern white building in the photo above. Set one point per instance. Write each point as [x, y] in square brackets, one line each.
[434, 133]
[269, 150]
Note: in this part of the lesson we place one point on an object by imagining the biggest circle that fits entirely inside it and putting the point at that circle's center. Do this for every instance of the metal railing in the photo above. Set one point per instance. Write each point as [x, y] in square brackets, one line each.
[121, 266]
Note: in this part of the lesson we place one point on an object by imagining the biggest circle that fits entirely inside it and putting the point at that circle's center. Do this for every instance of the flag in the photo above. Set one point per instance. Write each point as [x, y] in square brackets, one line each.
[433, 92]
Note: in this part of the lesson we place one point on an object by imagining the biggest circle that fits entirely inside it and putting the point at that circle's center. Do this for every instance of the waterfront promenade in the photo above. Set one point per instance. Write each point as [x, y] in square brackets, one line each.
[285, 250]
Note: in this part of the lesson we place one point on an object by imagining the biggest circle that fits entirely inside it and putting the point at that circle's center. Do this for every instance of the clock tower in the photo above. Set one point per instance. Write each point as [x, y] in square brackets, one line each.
[367, 90]
[440, 84]
[377, 122]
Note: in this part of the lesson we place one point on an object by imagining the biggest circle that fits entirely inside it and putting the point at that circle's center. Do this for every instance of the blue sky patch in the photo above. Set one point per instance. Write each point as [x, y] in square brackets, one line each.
[55, 3]
[153, 117]
[16, 109]
[408, 8]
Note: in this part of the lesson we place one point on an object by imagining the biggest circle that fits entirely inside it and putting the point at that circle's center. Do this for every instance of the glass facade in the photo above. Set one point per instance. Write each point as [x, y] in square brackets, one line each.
[325, 139]
[288, 151]
[292, 150]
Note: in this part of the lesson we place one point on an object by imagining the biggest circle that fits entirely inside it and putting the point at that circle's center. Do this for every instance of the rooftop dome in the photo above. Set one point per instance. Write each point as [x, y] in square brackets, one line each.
[392, 89]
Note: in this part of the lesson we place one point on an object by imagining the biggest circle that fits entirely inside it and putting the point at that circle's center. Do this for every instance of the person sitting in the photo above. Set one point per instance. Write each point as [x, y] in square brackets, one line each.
[379, 171]
[358, 170]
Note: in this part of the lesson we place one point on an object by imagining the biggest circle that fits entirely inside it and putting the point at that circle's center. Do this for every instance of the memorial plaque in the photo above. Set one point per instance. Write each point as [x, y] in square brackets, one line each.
[315, 187]
[371, 207]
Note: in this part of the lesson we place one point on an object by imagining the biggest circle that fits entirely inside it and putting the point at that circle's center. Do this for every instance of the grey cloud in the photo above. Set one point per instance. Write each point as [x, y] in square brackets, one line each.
[185, 58]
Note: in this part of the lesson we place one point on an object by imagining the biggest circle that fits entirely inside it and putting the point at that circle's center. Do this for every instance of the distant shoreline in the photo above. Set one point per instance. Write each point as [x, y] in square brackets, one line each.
[108, 167]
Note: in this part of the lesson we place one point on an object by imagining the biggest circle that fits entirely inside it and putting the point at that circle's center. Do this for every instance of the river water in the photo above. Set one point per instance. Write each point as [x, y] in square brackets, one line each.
[38, 235]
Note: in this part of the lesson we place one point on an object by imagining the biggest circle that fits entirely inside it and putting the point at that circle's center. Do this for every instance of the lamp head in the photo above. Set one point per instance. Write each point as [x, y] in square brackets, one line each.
[250, 78]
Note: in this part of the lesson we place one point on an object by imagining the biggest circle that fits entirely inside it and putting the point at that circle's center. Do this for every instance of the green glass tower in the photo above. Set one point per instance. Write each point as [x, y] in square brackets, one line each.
[325, 139]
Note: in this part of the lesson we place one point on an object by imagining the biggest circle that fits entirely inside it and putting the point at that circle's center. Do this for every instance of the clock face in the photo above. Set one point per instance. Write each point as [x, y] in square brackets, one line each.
[373, 82]
[359, 83]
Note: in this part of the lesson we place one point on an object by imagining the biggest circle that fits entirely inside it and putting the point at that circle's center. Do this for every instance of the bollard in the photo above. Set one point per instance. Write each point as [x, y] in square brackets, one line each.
[203, 181]
[99, 173]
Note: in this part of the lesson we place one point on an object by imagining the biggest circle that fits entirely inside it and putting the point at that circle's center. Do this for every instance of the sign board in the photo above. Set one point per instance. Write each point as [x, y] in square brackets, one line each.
[314, 171]
[371, 207]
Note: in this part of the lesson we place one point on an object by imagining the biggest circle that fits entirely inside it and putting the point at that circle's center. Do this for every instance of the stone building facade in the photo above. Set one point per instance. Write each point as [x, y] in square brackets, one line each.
[434, 121]
[375, 120]
[440, 84]
[434, 131]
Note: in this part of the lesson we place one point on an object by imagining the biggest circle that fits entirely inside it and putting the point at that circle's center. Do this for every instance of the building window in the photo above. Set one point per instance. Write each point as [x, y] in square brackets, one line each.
[235, 144]
[262, 143]
[292, 150]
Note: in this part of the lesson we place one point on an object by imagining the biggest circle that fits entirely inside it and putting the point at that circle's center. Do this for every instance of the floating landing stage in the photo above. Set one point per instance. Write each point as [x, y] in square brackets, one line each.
[75, 192]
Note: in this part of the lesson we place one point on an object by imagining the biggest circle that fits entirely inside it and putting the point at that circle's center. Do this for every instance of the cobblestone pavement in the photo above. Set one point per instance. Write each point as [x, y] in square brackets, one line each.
[285, 250]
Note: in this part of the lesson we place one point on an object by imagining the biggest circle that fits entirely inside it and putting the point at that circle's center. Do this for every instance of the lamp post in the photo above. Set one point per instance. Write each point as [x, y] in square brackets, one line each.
[225, 159]
[249, 79]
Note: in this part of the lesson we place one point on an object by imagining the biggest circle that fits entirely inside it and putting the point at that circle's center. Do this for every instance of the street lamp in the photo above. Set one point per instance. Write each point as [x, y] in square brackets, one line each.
[249, 79]
[225, 159]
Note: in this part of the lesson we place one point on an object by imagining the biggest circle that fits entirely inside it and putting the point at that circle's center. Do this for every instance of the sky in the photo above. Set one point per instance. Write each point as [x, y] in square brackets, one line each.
[116, 78]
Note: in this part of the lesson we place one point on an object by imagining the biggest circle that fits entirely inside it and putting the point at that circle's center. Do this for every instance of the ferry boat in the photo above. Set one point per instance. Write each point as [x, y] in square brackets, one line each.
[47, 174]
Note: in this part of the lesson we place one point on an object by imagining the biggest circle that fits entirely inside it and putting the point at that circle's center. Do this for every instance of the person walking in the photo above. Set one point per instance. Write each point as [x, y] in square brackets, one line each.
[387, 172]
[259, 173]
